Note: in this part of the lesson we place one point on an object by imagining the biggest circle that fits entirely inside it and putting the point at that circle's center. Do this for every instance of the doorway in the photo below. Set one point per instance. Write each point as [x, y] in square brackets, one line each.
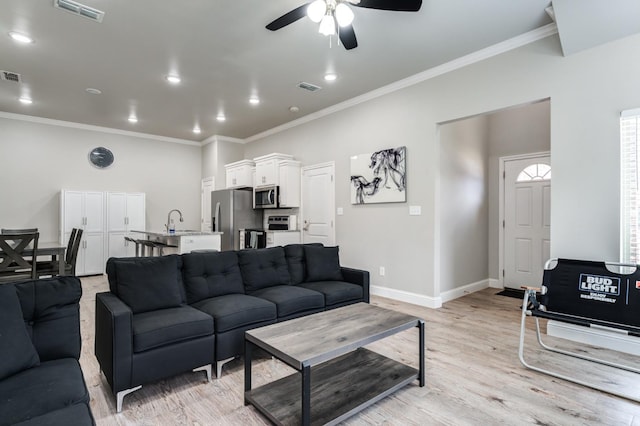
[318, 204]
[526, 218]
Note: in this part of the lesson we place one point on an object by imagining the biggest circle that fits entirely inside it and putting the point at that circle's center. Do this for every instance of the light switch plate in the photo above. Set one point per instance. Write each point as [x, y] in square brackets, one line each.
[415, 210]
[340, 211]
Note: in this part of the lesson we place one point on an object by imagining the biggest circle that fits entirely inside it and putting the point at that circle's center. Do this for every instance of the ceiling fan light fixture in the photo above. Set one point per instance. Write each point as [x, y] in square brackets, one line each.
[327, 25]
[316, 10]
[344, 15]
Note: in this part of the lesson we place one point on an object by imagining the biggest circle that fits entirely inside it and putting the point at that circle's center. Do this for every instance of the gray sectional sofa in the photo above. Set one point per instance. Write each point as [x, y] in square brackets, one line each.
[41, 382]
[171, 314]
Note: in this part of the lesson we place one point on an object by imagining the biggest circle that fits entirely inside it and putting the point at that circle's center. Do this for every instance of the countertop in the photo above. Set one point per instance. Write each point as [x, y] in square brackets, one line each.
[271, 230]
[178, 233]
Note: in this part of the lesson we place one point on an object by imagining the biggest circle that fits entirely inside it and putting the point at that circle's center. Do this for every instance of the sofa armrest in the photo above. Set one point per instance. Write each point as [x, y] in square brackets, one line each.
[359, 277]
[114, 340]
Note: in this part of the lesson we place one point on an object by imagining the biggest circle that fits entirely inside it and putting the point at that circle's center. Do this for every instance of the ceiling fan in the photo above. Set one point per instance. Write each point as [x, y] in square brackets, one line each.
[336, 16]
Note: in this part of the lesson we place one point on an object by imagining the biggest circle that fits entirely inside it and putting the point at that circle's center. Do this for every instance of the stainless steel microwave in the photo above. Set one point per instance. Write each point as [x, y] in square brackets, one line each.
[267, 197]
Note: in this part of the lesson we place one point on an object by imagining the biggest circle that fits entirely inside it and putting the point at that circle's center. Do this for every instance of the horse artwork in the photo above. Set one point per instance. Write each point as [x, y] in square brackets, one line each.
[379, 177]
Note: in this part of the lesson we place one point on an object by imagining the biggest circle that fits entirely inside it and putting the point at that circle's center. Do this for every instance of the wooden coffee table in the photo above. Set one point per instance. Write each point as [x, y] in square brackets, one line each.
[336, 377]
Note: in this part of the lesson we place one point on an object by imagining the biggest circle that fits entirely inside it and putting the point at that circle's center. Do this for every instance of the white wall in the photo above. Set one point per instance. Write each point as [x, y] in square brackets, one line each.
[215, 155]
[463, 202]
[587, 92]
[38, 160]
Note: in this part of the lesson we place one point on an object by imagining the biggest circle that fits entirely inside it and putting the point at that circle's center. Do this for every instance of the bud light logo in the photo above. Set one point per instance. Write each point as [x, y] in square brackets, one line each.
[599, 284]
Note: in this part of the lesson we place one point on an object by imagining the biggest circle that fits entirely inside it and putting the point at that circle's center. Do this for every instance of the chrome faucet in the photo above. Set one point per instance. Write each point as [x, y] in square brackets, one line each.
[168, 225]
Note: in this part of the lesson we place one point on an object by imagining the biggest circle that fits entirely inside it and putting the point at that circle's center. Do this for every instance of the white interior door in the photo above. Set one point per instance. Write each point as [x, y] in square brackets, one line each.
[207, 186]
[318, 204]
[527, 225]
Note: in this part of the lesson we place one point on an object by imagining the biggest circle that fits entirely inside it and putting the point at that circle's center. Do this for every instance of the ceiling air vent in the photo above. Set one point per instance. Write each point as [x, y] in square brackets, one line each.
[79, 9]
[10, 76]
[308, 86]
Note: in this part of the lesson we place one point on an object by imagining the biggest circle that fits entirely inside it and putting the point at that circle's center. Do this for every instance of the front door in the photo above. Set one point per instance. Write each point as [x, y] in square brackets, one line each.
[318, 201]
[527, 227]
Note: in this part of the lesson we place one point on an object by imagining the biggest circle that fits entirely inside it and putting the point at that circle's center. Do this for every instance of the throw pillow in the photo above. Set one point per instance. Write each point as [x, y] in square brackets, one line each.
[18, 352]
[148, 284]
[323, 263]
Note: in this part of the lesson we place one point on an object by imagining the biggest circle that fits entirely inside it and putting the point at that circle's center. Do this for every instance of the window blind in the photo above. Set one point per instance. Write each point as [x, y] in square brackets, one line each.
[629, 135]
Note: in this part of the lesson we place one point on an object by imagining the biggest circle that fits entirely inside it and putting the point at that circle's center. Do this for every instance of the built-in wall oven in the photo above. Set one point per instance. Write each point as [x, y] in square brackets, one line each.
[266, 197]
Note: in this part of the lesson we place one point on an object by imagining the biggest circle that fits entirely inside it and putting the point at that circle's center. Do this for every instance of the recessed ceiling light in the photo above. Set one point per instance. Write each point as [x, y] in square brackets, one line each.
[26, 100]
[133, 119]
[197, 130]
[294, 108]
[20, 38]
[330, 77]
[221, 117]
[254, 100]
[93, 91]
[173, 79]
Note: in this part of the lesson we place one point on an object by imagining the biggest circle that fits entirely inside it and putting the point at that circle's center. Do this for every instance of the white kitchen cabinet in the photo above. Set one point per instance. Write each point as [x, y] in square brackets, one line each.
[239, 174]
[282, 238]
[84, 210]
[267, 169]
[289, 182]
[125, 212]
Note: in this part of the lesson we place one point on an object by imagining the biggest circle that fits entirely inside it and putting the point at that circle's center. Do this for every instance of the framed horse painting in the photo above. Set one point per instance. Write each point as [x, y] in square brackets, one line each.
[379, 177]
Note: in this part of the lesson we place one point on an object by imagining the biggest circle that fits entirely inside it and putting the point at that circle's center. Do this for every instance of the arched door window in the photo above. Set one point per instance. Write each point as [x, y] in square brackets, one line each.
[535, 172]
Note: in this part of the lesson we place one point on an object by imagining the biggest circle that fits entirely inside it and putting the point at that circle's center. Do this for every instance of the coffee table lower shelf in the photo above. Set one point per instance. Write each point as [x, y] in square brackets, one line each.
[339, 388]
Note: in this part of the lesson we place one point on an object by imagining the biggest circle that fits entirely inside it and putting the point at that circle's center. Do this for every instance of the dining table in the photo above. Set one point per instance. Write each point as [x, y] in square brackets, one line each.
[53, 249]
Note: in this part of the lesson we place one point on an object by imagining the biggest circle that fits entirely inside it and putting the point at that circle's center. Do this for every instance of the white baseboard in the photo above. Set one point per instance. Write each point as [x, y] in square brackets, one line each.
[408, 297]
[607, 339]
[432, 302]
[464, 290]
[493, 283]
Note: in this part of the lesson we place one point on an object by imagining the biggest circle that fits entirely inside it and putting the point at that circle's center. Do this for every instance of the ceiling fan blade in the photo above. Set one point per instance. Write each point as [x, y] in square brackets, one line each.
[348, 37]
[397, 5]
[289, 18]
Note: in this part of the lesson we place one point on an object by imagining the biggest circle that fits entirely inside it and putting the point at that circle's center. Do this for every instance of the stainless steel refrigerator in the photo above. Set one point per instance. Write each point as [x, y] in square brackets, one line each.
[232, 210]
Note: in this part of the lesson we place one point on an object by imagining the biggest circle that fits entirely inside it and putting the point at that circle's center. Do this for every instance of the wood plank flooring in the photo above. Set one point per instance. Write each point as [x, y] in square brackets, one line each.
[472, 372]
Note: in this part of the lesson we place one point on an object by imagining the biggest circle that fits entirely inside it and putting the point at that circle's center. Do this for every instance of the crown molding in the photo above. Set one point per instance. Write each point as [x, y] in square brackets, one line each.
[220, 138]
[70, 124]
[472, 58]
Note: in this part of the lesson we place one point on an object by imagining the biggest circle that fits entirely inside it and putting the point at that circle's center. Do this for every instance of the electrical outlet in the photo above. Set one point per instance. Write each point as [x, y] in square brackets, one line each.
[382, 271]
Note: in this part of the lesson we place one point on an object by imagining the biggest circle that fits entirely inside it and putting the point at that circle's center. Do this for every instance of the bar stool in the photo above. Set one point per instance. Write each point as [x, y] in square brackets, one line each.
[138, 244]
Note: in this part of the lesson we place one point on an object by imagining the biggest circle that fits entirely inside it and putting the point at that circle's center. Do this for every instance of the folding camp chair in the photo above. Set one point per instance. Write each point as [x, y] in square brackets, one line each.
[587, 294]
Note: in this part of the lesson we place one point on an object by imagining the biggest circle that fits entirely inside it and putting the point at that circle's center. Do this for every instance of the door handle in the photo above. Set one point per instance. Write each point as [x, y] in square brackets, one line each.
[305, 227]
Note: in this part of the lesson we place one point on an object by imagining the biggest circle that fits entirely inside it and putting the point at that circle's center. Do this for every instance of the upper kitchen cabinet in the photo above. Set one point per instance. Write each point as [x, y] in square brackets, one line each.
[281, 170]
[239, 174]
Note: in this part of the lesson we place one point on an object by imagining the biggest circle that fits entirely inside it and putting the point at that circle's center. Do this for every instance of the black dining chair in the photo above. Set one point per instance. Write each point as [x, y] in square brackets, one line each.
[8, 231]
[51, 268]
[18, 256]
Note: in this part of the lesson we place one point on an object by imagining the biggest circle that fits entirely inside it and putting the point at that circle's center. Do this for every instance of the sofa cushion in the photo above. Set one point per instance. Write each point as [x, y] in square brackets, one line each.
[51, 386]
[148, 284]
[167, 326]
[323, 263]
[233, 311]
[336, 292]
[263, 268]
[291, 300]
[18, 352]
[294, 254]
[211, 274]
[75, 415]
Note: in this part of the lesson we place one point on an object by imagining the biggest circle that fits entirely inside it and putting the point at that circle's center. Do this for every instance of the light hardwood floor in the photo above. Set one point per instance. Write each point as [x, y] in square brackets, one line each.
[472, 371]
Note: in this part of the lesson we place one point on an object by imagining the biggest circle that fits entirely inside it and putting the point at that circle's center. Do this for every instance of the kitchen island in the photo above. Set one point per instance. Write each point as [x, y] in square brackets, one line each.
[184, 241]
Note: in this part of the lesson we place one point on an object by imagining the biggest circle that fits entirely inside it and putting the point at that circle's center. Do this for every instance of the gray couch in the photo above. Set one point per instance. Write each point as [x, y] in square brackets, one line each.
[171, 314]
[41, 382]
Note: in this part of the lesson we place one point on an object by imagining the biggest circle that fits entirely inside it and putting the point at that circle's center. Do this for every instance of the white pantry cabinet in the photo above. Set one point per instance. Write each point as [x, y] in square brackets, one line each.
[125, 212]
[84, 210]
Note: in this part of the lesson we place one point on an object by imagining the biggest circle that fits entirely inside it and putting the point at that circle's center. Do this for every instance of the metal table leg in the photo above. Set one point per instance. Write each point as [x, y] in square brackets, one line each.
[306, 395]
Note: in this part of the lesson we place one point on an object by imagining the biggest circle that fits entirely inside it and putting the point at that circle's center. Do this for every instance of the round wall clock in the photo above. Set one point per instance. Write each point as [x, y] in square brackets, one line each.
[101, 157]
